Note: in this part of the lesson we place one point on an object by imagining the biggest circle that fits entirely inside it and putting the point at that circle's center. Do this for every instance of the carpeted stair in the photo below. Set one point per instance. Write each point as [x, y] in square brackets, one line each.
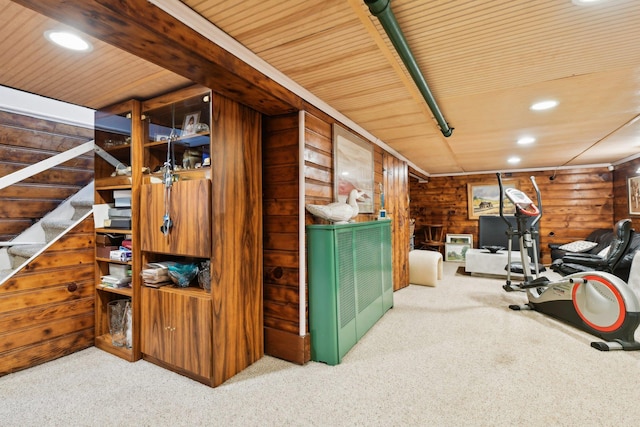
[52, 229]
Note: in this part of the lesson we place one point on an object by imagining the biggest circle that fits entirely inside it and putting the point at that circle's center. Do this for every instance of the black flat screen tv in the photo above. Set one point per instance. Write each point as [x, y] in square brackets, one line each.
[492, 231]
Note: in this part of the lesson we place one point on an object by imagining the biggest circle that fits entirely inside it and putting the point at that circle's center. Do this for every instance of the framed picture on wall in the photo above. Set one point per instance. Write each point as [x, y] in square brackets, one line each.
[633, 189]
[353, 167]
[483, 198]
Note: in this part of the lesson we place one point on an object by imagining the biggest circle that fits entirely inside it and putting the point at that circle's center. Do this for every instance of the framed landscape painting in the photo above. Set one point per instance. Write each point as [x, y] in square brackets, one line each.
[466, 239]
[456, 252]
[483, 198]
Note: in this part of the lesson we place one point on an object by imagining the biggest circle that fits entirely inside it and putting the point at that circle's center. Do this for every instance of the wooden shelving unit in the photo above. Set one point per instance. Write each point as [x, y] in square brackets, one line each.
[118, 133]
[189, 330]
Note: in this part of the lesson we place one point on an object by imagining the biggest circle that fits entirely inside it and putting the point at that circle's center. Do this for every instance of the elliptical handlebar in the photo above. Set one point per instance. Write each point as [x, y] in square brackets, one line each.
[499, 175]
[535, 186]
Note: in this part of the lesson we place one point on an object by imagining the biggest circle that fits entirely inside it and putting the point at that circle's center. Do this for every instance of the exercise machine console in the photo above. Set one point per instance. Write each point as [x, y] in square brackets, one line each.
[596, 302]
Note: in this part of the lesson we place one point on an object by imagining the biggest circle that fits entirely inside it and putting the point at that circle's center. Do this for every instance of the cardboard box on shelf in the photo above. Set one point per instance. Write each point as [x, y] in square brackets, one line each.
[105, 251]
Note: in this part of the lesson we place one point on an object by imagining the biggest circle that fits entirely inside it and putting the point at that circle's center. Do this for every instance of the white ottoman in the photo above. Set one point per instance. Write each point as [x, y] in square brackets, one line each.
[425, 267]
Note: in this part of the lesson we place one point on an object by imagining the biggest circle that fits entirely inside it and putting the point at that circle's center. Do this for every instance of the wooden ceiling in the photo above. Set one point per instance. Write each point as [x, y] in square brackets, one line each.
[485, 63]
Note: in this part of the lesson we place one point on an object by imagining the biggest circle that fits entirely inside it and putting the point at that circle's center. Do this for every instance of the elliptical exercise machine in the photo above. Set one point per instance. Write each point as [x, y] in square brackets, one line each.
[596, 302]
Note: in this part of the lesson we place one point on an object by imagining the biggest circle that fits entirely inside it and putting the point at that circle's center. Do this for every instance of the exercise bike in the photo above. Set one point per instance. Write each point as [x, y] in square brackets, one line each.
[596, 302]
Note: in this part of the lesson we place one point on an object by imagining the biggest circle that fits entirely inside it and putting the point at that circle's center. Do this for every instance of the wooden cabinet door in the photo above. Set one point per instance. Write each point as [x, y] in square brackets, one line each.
[192, 337]
[176, 328]
[156, 325]
[189, 211]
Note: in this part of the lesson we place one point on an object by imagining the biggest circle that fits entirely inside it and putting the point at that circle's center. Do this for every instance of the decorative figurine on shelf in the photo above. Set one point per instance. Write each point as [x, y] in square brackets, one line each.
[191, 158]
[338, 212]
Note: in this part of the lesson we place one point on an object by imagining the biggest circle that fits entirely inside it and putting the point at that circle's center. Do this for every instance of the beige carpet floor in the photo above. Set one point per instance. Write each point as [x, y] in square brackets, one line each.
[453, 355]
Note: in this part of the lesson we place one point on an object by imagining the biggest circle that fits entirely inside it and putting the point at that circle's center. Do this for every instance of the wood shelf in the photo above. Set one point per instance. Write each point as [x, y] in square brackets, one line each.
[182, 140]
[116, 148]
[188, 291]
[113, 231]
[121, 182]
[183, 175]
[102, 259]
[120, 291]
[103, 342]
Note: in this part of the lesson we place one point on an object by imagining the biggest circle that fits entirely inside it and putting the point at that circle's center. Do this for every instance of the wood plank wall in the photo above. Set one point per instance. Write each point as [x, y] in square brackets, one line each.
[281, 256]
[25, 141]
[46, 310]
[621, 174]
[396, 187]
[388, 170]
[281, 207]
[575, 202]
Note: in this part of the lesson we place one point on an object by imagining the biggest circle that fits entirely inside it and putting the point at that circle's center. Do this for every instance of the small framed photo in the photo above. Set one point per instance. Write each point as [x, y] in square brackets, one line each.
[456, 252]
[189, 125]
[460, 239]
[633, 188]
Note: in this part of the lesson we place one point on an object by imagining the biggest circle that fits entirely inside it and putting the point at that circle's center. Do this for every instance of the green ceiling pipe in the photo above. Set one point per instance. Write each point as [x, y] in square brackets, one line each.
[382, 10]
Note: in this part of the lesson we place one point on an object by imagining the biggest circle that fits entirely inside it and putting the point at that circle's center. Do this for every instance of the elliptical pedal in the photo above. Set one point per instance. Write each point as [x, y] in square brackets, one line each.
[518, 307]
[616, 345]
[541, 281]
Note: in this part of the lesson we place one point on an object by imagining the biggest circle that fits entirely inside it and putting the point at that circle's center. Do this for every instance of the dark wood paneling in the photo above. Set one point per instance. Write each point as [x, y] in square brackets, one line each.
[288, 346]
[621, 175]
[20, 121]
[281, 238]
[46, 309]
[39, 191]
[395, 177]
[236, 262]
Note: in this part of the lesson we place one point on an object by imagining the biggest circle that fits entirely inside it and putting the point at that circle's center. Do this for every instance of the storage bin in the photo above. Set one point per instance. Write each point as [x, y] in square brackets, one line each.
[119, 315]
[120, 270]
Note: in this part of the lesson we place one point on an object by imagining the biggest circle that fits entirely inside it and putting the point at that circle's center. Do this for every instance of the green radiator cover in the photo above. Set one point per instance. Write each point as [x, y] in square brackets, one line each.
[350, 284]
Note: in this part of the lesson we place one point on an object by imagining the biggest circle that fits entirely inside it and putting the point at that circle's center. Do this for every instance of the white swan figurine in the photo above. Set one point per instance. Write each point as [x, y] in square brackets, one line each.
[338, 212]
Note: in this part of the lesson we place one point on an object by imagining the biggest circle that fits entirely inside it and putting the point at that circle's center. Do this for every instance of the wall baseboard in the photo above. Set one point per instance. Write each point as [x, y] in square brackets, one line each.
[287, 346]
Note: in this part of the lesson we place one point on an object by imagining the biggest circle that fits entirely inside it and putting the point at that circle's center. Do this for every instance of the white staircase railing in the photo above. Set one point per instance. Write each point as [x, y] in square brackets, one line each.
[41, 166]
[45, 164]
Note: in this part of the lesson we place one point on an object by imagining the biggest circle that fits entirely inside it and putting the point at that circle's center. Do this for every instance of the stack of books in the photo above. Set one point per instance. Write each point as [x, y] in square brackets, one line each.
[156, 274]
[112, 281]
[119, 276]
[120, 213]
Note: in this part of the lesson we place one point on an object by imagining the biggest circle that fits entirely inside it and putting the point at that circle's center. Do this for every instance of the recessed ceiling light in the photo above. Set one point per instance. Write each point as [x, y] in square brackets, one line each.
[544, 105]
[586, 2]
[526, 140]
[68, 40]
[513, 160]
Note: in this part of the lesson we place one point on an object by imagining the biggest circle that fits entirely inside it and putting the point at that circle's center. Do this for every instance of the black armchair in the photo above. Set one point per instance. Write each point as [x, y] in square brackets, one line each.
[575, 262]
[623, 269]
[601, 237]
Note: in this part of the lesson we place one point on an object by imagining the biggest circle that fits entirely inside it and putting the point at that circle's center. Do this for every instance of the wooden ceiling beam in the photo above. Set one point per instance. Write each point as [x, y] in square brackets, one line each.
[144, 30]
